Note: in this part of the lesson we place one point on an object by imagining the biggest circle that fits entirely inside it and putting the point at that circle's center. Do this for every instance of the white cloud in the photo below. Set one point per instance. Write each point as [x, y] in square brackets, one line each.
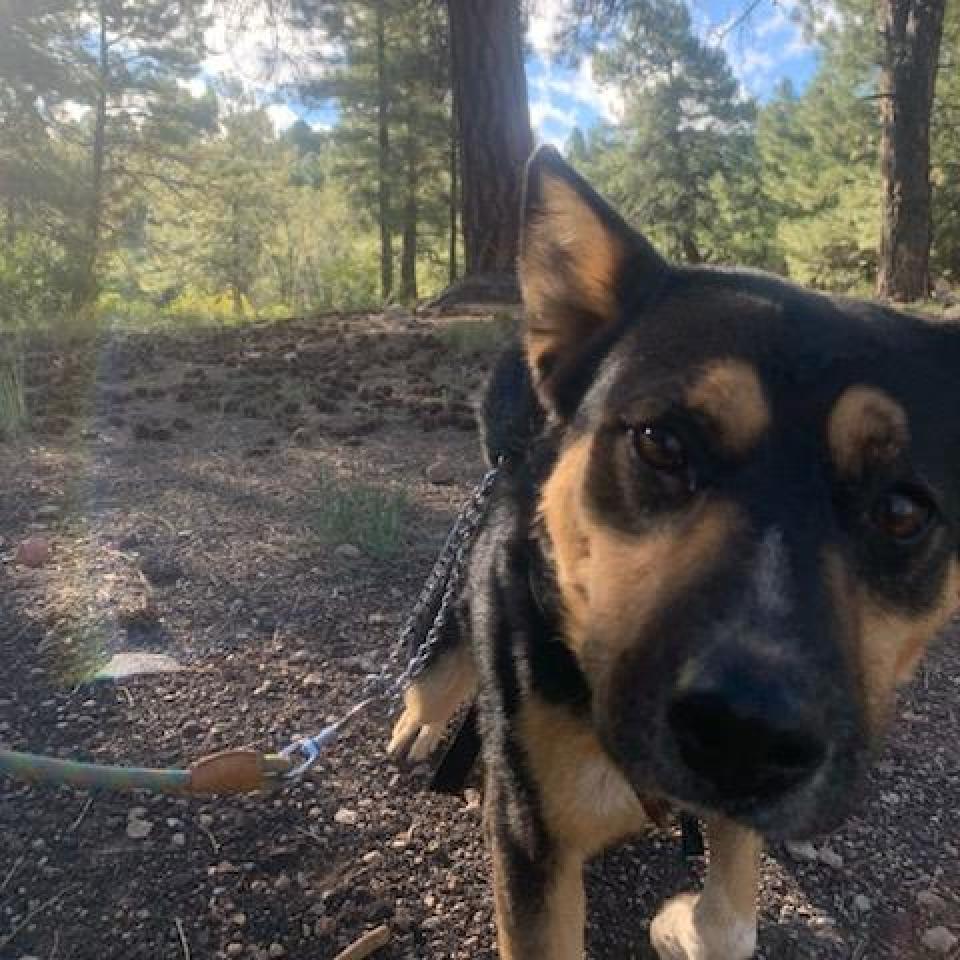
[281, 116]
[262, 51]
[73, 111]
[543, 112]
[197, 85]
[544, 16]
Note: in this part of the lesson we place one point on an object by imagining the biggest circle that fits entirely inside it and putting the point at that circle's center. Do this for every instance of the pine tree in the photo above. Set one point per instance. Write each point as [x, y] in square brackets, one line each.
[683, 162]
[141, 115]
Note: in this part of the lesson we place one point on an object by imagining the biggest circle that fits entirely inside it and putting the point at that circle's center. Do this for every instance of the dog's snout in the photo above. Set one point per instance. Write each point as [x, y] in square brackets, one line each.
[747, 736]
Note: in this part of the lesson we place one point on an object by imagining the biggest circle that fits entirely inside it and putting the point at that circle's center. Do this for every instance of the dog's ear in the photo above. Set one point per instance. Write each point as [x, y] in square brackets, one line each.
[580, 267]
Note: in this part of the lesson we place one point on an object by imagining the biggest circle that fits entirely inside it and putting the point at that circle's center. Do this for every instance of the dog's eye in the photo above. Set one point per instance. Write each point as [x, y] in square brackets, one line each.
[659, 448]
[902, 514]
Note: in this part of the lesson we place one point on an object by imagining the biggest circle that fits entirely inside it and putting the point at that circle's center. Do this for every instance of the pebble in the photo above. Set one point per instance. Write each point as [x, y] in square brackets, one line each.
[33, 552]
[931, 900]
[179, 839]
[862, 904]
[234, 949]
[345, 816]
[939, 940]
[139, 829]
[276, 951]
[347, 551]
[802, 851]
[830, 857]
[440, 472]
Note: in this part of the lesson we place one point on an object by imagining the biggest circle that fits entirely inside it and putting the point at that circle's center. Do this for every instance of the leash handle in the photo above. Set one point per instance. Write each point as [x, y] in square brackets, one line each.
[227, 772]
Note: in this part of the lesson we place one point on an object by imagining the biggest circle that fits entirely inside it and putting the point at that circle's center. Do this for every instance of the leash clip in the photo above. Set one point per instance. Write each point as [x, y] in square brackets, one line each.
[309, 749]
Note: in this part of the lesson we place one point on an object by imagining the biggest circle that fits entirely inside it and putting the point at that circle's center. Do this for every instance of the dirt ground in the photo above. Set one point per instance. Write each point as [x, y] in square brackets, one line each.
[263, 504]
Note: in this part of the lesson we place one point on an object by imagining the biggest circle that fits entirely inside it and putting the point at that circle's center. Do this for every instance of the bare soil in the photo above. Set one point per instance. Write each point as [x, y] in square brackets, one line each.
[184, 484]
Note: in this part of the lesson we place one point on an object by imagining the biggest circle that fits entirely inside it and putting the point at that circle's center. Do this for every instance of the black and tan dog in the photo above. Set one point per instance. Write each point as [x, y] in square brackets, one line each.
[726, 527]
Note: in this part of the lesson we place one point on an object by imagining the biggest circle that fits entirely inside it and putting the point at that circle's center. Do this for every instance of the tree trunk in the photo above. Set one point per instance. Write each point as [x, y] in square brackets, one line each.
[87, 287]
[454, 197]
[408, 256]
[383, 159]
[910, 33]
[493, 118]
[10, 228]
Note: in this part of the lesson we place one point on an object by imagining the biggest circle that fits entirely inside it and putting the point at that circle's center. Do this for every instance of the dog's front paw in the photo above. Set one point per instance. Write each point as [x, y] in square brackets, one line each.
[681, 932]
[413, 738]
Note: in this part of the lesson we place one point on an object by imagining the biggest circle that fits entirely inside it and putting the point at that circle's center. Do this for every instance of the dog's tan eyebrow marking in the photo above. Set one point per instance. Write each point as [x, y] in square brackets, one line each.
[729, 393]
[866, 425]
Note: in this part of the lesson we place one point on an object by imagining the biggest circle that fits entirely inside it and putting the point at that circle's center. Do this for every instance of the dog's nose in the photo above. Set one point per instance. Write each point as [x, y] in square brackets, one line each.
[748, 736]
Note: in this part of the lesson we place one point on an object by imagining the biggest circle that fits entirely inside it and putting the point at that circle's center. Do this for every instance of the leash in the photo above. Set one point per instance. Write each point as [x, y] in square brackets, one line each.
[246, 770]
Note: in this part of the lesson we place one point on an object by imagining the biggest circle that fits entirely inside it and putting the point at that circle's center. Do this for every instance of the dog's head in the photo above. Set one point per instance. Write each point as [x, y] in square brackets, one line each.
[753, 518]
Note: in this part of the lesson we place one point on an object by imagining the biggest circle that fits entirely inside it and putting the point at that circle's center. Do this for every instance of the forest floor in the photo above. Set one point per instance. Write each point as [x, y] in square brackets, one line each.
[263, 503]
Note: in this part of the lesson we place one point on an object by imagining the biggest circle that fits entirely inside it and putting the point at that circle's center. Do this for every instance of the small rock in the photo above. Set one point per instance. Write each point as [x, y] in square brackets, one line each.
[300, 437]
[276, 951]
[931, 900]
[234, 949]
[347, 551]
[862, 904]
[48, 511]
[802, 851]
[161, 569]
[179, 839]
[939, 940]
[33, 552]
[139, 829]
[441, 472]
[472, 796]
[346, 817]
[373, 859]
[136, 664]
[830, 857]
[314, 680]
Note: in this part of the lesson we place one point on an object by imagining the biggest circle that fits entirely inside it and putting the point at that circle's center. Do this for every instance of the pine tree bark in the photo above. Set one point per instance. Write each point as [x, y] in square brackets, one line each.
[911, 31]
[454, 198]
[383, 161]
[408, 254]
[493, 119]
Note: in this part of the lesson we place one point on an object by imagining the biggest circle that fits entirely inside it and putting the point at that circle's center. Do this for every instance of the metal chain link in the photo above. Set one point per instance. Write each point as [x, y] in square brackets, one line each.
[439, 591]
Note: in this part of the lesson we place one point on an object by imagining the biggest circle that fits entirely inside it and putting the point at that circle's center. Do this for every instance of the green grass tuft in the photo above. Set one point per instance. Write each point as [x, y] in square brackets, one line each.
[370, 517]
[478, 336]
[13, 402]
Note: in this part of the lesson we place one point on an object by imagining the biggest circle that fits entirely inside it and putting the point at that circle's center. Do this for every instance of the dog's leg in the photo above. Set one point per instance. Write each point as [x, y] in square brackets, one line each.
[538, 892]
[431, 701]
[721, 922]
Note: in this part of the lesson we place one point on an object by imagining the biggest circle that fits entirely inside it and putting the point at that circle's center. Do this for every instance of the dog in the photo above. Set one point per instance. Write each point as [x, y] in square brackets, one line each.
[724, 528]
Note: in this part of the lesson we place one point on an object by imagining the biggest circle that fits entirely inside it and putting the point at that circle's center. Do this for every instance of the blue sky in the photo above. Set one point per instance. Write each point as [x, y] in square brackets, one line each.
[762, 51]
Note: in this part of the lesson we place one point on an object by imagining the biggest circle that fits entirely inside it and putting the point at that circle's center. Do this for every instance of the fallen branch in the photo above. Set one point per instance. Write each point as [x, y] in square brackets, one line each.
[184, 945]
[367, 945]
[13, 870]
[32, 915]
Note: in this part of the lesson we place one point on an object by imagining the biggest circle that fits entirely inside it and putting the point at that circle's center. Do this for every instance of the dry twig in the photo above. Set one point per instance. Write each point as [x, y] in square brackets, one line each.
[367, 945]
[184, 945]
